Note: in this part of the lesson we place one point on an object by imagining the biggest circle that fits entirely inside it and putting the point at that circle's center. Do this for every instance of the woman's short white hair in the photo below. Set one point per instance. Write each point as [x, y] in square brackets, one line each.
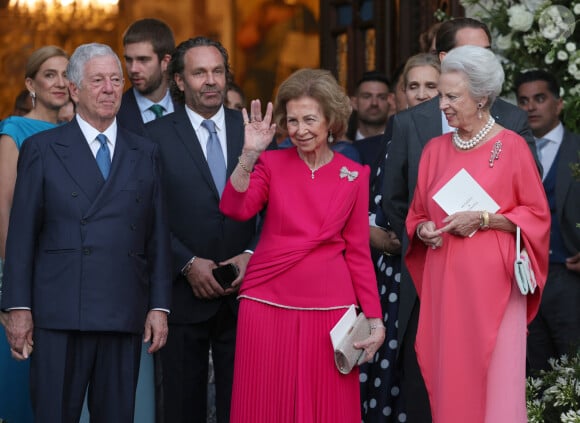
[480, 66]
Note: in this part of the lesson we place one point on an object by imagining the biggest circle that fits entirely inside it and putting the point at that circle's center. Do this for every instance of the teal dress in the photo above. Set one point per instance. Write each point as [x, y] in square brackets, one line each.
[15, 403]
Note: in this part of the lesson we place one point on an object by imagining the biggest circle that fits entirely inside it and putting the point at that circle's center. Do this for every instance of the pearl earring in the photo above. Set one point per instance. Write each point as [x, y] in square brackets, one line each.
[479, 107]
[330, 138]
[33, 97]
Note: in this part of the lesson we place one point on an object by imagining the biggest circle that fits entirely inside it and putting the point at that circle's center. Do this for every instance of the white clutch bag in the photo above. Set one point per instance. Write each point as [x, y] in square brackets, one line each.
[523, 271]
[350, 328]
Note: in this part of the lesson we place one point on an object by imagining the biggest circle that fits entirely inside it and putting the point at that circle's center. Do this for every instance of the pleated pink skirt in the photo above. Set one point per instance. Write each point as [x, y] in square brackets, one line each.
[284, 368]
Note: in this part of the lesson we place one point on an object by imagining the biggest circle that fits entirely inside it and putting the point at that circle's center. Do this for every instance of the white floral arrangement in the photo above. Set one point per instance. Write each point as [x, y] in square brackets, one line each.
[536, 34]
[554, 395]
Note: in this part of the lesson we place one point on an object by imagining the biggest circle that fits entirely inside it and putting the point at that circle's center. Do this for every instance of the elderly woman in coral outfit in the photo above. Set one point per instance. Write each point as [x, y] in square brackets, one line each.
[312, 261]
[471, 339]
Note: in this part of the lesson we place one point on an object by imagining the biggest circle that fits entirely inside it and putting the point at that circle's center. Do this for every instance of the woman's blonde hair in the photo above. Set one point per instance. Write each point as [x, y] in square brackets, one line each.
[421, 59]
[38, 57]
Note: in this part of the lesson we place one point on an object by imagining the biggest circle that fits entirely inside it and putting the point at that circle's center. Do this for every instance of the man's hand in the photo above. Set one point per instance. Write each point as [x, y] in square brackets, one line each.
[156, 330]
[241, 260]
[204, 285]
[3, 319]
[573, 263]
[201, 280]
[385, 240]
[19, 333]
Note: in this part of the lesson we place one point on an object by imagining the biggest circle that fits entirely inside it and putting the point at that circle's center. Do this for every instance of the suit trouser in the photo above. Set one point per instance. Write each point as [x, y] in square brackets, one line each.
[414, 394]
[556, 328]
[64, 363]
[184, 361]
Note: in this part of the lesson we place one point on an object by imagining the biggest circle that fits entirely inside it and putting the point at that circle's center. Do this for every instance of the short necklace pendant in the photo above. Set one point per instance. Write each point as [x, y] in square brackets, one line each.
[312, 173]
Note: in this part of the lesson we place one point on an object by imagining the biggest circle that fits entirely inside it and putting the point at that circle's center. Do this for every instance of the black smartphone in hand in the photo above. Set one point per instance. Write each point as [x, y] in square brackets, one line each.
[226, 274]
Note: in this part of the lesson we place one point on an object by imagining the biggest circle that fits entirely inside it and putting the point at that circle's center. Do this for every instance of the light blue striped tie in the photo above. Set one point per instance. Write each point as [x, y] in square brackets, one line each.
[104, 156]
[215, 156]
[540, 144]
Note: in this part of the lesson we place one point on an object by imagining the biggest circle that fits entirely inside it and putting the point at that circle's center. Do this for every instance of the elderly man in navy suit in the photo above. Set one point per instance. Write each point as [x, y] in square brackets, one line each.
[87, 272]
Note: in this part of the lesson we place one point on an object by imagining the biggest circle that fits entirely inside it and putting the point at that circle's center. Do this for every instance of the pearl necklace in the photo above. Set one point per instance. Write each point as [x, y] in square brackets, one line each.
[466, 145]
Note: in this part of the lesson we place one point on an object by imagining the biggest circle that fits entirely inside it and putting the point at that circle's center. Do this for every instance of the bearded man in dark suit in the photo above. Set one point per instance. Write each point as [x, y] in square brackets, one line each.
[200, 145]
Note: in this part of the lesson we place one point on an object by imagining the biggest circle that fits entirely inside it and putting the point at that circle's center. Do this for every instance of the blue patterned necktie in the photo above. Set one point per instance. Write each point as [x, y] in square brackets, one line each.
[157, 110]
[103, 156]
[215, 156]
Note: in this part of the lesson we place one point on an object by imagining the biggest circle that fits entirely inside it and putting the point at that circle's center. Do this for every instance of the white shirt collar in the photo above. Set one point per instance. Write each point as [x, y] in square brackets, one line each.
[90, 133]
[144, 103]
[218, 119]
[556, 135]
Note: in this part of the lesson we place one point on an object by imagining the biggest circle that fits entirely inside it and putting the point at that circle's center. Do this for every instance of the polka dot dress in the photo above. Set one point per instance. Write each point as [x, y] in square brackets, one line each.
[379, 380]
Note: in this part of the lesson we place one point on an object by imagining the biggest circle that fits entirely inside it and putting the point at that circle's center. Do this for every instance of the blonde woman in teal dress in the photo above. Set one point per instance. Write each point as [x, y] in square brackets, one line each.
[45, 79]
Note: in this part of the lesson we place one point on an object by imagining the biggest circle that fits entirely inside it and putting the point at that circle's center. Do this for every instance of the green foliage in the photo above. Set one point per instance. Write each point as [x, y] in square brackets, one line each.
[554, 395]
[533, 34]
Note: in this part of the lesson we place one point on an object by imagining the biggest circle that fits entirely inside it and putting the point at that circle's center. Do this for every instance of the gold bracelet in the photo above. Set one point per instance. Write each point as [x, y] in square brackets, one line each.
[243, 166]
[484, 224]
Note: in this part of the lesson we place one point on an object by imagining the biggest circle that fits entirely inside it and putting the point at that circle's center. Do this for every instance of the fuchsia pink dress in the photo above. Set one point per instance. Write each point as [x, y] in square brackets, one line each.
[312, 262]
[472, 324]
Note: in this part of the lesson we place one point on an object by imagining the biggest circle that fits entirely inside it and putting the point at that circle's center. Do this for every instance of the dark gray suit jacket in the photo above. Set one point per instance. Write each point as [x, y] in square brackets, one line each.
[412, 129]
[197, 226]
[568, 192]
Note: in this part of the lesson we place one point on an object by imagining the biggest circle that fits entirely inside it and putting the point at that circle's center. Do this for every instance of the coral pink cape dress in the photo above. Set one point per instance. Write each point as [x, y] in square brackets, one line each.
[312, 262]
[469, 318]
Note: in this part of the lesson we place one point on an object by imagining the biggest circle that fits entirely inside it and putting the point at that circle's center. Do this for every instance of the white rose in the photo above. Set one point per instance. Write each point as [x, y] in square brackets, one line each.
[577, 9]
[549, 59]
[503, 42]
[532, 5]
[571, 47]
[520, 18]
[562, 55]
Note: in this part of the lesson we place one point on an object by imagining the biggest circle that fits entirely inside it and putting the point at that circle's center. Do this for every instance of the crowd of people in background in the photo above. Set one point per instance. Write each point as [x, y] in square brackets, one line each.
[119, 210]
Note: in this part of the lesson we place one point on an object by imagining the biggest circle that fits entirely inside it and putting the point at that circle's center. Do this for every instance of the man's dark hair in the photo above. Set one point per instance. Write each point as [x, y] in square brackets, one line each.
[538, 75]
[177, 63]
[447, 33]
[374, 76]
[153, 31]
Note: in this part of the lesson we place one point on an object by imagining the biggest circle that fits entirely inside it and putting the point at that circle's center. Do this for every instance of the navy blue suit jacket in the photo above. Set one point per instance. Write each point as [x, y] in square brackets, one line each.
[197, 226]
[83, 253]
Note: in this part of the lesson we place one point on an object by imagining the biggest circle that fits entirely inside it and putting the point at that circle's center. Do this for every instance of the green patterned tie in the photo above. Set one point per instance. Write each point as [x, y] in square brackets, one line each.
[157, 110]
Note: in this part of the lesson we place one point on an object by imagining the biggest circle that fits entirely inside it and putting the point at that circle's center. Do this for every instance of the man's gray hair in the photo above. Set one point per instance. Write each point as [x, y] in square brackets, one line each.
[82, 55]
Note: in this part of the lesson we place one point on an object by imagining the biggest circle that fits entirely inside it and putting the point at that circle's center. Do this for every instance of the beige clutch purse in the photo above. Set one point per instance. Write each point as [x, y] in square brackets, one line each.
[346, 356]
